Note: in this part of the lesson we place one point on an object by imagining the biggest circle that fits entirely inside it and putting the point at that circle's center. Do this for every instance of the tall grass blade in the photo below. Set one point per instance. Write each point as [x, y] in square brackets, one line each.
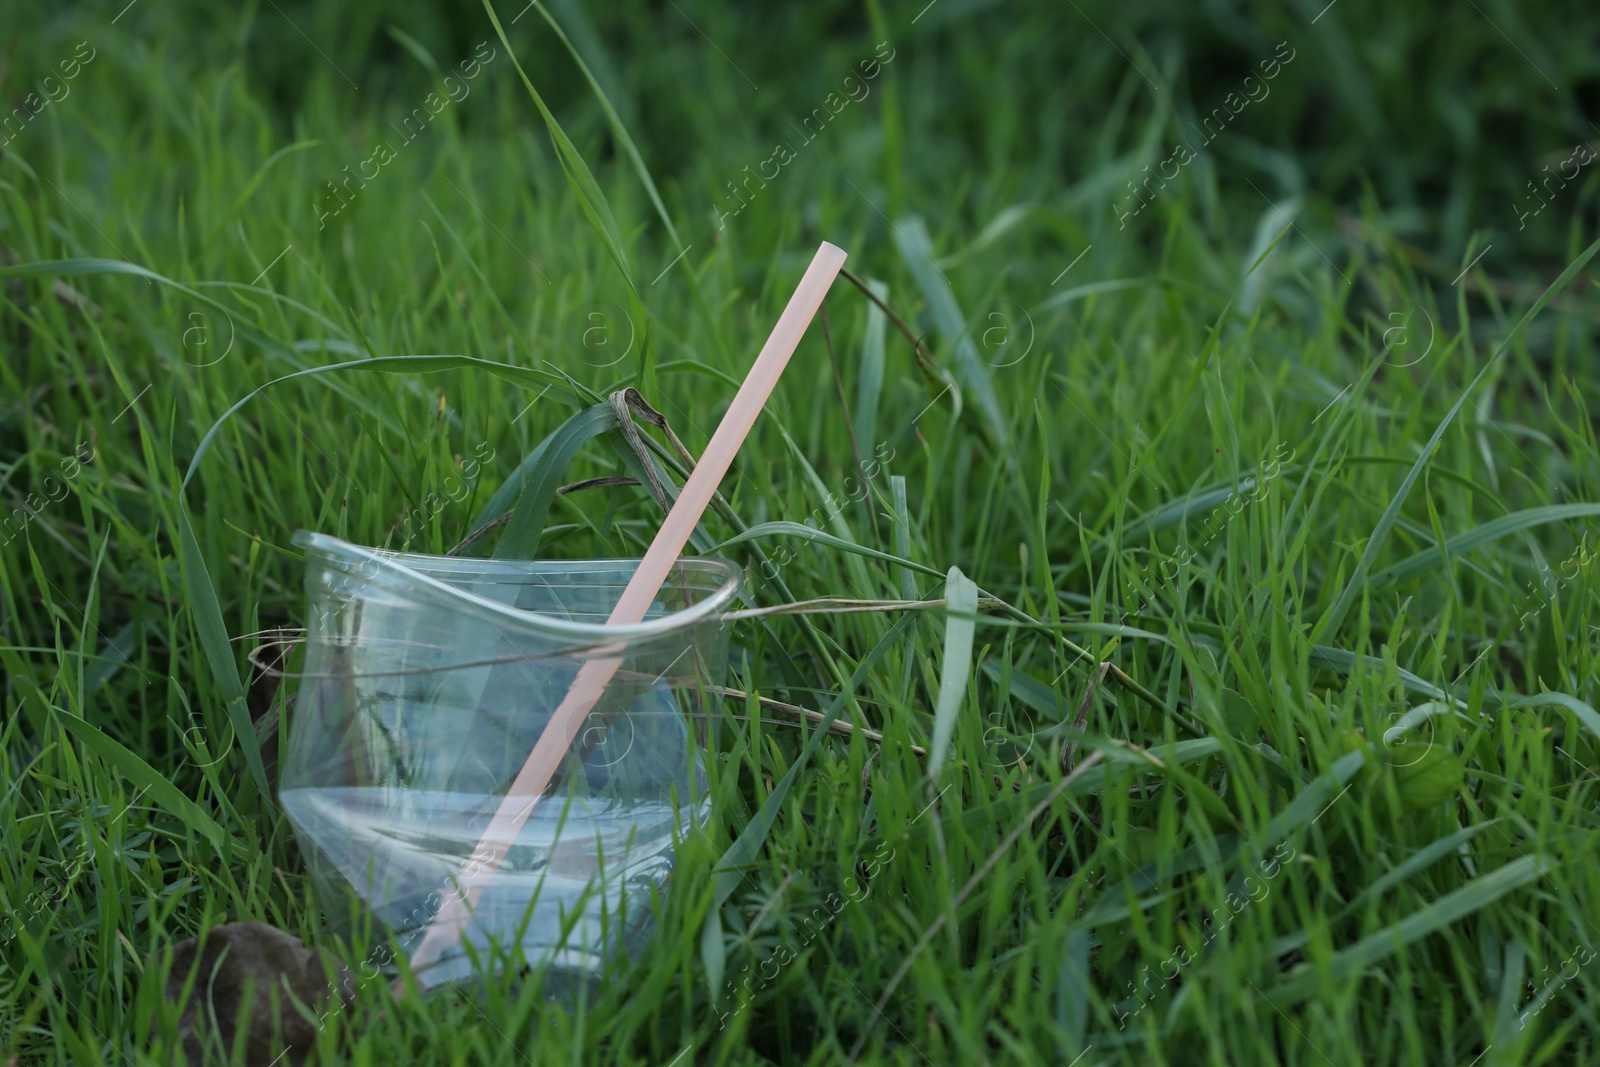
[1426, 560]
[147, 778]
[1356, 584]
[916, 248]
[1308, 979]
[961, 600]
[596, 208]
[812, 534]
[520, 539]
[742, 853]
[869, 382]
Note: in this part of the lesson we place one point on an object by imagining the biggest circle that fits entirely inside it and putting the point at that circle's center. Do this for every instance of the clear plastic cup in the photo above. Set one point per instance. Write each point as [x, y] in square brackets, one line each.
[427, 681]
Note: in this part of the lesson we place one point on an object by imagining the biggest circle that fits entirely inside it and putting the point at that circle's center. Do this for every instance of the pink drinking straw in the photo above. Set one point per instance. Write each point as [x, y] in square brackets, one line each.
[528, 787]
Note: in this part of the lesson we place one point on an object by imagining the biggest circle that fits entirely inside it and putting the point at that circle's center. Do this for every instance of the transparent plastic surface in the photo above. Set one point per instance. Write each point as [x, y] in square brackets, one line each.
[427, 681]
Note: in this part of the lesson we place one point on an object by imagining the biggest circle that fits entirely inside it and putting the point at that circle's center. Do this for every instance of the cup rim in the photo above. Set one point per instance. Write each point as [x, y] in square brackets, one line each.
[334, 547]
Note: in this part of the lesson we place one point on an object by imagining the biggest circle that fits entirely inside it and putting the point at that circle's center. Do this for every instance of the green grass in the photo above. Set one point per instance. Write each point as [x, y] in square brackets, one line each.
[1416, 530]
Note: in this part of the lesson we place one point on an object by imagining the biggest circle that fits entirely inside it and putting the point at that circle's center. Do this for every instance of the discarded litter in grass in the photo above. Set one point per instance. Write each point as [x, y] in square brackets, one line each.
[444, 697]
[599, 671]
[427, 681]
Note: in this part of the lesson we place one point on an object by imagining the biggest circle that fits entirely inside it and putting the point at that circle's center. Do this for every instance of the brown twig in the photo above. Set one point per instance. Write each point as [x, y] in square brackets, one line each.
[1081, 722]
[841, 606]
[838, 727]
[925, 361]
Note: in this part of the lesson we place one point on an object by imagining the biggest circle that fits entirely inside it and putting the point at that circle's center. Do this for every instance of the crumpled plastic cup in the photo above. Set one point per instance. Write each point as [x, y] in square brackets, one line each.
[427, 680]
